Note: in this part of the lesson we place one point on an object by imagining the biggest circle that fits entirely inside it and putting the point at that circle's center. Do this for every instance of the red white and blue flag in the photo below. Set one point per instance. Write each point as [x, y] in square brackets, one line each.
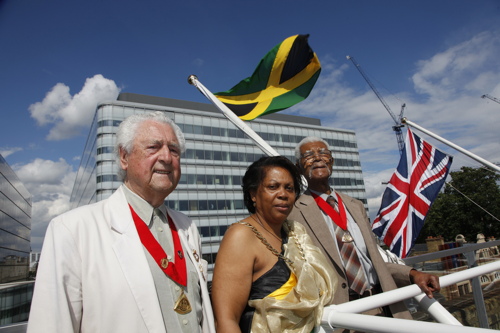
[414, 186]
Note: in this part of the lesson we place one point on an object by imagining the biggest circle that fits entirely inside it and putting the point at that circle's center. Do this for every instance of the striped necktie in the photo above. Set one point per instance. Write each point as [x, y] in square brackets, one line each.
[354, 272]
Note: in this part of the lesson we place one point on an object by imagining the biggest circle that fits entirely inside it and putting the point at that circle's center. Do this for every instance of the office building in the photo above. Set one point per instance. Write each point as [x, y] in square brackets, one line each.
[217, 155]
[15, 226]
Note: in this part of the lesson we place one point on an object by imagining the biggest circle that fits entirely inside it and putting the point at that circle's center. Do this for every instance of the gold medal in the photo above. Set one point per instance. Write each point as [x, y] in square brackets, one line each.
[182, 305]
[164, 263]
[346, 237]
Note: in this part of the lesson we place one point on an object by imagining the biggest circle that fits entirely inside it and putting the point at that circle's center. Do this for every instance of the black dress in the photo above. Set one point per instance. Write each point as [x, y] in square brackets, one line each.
[272, 280]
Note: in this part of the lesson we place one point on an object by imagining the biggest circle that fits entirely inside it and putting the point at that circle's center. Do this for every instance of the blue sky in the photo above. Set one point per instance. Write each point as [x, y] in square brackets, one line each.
[60, 58]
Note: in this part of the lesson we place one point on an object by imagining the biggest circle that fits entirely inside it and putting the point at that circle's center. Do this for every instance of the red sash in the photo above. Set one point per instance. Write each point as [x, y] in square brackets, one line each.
[339, 219]
[176, 270]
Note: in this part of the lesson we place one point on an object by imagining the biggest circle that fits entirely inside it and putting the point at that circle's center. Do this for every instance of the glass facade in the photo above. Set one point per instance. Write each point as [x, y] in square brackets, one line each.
[15, 226]
[217, 155]
[15, 303]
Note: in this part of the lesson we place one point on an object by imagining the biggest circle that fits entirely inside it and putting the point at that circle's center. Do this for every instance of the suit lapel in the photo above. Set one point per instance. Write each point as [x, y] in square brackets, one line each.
[317, 227]
[132, 258]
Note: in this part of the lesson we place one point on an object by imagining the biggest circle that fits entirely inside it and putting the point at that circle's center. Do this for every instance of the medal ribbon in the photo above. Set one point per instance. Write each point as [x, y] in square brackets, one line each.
[339, 219]
[175, 270]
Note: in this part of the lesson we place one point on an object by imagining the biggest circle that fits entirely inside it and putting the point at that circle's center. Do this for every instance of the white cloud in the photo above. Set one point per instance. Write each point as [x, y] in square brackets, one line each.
[50, 184]
[375, 183]
[47, 111]
[470, 66]
[69, 114]
[6, 151]
[40, 175]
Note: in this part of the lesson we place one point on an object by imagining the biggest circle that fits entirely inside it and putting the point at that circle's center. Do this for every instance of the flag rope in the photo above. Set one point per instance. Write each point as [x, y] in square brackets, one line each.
[484, 210]
[452, 145]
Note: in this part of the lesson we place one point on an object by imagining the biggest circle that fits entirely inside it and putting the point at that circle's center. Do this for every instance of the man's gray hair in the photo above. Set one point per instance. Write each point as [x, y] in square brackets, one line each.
[308, 140]
[128, 130]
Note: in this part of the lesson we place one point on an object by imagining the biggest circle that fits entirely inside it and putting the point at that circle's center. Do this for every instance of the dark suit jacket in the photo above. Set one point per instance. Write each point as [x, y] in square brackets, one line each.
[391, 276]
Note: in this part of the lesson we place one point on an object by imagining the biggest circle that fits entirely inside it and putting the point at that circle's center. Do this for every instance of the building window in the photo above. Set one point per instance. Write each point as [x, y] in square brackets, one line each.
[109, 122]
[238, 204]
[105, 150]
[107, 178]
[183, 205]
[210, 257]
[203, 204]
[213, 231]
[235, 133]
[237, 180]
[195, 205]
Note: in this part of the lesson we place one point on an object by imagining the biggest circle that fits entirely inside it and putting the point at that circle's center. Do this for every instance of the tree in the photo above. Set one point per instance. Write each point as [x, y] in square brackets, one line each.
[452, 213]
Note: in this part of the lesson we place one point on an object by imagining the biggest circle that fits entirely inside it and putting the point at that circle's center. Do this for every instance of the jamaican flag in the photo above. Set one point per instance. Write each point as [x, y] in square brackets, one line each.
[283, 78]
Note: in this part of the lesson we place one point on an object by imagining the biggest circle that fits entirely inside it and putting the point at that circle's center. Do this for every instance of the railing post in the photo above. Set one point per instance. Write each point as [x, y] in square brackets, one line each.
[477, 292]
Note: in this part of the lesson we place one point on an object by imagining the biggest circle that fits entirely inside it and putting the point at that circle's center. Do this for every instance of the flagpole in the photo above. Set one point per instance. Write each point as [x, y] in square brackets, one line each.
[263, 145]
[452, 145]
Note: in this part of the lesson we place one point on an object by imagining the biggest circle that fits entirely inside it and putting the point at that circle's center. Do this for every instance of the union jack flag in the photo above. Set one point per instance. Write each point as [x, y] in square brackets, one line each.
[414, 186]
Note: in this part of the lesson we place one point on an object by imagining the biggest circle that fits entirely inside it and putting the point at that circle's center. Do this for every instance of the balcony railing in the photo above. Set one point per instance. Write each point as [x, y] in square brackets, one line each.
[472, 267]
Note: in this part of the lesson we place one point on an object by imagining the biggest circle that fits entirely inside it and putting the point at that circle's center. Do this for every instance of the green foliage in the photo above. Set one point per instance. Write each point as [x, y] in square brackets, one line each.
[452, 213]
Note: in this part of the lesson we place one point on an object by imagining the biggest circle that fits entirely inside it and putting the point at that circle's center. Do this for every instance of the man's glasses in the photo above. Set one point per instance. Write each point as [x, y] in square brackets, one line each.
[323, 153]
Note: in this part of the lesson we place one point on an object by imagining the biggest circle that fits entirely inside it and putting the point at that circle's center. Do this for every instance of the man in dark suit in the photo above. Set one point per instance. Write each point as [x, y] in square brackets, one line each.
[347, 227]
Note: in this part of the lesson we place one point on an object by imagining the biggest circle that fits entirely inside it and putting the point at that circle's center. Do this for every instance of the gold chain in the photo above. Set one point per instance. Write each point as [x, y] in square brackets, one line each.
[266, 243]
[259, 222]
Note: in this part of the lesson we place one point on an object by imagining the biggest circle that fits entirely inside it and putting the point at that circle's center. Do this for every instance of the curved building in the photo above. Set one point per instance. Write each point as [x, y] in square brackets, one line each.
[217, 155]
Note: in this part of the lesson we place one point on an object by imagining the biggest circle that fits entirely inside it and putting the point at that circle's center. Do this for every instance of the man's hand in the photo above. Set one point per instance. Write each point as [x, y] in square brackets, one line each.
[428, 283]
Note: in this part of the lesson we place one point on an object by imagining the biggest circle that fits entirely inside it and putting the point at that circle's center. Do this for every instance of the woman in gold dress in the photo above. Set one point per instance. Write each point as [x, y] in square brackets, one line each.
[268, 275]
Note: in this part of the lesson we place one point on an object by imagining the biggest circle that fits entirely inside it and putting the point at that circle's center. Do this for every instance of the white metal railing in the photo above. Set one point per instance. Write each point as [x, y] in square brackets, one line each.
[347, 315]
[14, 284]
[366, 323]
[15, 328]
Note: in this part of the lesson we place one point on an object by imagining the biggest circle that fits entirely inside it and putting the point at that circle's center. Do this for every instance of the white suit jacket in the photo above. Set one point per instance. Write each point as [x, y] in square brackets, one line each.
[94, 276]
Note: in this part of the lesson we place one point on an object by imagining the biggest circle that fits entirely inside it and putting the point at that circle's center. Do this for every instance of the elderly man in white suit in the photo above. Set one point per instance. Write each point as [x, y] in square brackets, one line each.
[127, 263]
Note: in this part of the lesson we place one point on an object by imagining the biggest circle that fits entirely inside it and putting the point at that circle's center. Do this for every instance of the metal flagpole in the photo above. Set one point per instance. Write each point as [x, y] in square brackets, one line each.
[452, 145]
[263, 145]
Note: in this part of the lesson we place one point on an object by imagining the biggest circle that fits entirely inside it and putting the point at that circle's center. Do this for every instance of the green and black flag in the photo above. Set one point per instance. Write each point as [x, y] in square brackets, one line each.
[283, 78]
